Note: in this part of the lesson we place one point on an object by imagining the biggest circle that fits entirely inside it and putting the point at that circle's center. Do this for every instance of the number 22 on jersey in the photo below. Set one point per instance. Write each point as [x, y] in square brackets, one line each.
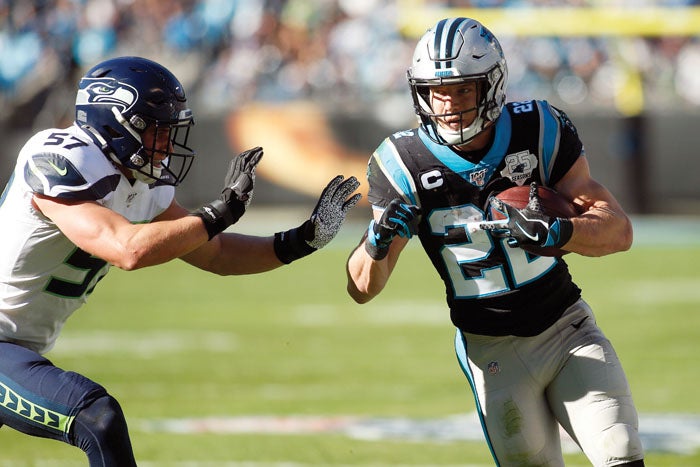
[518, 269]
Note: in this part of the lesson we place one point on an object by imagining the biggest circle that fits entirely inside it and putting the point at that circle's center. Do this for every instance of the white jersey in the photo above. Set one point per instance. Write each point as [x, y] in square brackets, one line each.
[44, 277]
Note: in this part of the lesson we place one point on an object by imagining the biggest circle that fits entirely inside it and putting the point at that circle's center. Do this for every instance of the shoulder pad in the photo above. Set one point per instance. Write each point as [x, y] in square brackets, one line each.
[54, 175]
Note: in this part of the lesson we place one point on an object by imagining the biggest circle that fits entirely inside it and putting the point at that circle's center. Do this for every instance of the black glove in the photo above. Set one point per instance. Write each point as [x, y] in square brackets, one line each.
[236, 195]
[324, 223]
[397, 219]
[530, 225]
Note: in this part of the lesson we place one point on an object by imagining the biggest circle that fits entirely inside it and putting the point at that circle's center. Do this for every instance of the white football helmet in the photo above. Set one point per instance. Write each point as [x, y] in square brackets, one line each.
[456, 51]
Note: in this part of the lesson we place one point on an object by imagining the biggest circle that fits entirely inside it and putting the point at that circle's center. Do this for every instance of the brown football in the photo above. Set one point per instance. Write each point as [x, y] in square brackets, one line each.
[553, 204]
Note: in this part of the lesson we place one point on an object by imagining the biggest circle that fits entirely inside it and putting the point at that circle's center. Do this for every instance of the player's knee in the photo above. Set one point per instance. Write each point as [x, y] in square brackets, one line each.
[104, 417]
[101, 431]
[621, 443]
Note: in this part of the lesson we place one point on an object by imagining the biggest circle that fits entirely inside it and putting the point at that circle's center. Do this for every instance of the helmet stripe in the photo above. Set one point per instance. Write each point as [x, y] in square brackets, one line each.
[437, 43]
[444, 45]
[450, 40]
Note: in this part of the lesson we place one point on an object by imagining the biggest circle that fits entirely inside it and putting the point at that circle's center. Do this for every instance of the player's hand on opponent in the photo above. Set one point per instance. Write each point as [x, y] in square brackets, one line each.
[326, 219]
[399, 219]
[530, 225]
[236, 195]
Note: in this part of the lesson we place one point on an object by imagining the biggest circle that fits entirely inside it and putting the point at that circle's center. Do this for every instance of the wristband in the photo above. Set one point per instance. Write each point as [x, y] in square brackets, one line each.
[291, 245]
[559, 233]
[216, 216]
[376, 251]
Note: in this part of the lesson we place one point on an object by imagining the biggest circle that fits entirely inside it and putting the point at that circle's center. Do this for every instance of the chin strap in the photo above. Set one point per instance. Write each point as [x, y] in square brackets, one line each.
[455, 138]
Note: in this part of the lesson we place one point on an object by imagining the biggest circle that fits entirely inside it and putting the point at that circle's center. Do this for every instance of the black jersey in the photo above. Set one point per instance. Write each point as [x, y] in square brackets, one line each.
[491, 288]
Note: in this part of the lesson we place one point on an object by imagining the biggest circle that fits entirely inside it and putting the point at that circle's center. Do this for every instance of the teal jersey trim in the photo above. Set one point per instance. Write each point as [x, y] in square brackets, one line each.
[549, 140]
[396, 171]
[476, 174]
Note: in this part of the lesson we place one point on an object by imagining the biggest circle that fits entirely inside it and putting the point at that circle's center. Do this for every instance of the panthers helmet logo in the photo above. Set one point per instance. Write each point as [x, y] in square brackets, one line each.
[107, 91]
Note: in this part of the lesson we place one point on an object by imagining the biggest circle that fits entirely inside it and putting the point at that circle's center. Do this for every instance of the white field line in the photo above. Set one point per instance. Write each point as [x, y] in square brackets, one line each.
[145, 344]
[678, 433]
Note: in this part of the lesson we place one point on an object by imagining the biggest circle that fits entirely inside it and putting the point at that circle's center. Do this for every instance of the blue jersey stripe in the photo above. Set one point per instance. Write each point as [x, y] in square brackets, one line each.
[395, 171]
[549, 140]
[461, 351]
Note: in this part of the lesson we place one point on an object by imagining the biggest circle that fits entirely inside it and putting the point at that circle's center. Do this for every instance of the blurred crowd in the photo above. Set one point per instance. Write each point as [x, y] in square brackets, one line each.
[344, 54]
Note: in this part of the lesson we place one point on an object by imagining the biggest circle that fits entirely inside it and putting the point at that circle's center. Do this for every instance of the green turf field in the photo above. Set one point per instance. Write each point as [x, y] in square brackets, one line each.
[173, 343]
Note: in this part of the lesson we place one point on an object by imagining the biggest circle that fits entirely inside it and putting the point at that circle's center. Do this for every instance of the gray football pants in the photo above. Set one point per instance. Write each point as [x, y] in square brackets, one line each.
[569, 375]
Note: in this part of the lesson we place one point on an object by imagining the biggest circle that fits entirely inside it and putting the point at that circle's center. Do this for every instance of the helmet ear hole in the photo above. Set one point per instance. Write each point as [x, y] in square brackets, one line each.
[111, 132]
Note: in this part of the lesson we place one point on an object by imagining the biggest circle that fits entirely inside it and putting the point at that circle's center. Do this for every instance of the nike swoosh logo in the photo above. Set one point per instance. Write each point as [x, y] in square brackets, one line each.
[61, 171]
[534, 238]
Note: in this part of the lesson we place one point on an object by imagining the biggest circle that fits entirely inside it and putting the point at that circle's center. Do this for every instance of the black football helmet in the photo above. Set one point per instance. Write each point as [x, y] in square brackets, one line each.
[456, 51]
[120, 99]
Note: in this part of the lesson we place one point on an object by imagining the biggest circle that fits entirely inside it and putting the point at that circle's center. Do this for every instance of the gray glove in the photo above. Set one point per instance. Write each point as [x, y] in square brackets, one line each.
[323, 225]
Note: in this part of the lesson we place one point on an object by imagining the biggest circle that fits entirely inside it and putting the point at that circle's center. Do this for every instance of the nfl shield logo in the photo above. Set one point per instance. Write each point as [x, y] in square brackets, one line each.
[494, 368]
[478, 178]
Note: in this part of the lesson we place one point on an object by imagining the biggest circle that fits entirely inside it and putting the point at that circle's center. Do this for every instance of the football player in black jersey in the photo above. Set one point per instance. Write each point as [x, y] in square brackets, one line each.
[526, 340]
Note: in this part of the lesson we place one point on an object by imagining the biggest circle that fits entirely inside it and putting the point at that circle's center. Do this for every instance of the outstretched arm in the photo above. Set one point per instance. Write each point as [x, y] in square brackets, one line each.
[107, 234]
[231, 253]
[198, 237]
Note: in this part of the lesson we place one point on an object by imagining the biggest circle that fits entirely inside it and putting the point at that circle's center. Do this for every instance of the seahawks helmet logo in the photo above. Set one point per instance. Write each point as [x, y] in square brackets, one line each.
[106, 91]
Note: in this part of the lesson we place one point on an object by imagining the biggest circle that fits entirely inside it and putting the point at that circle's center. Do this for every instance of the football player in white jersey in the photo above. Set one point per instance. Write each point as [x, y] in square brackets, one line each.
[101, 193]
[526, 340]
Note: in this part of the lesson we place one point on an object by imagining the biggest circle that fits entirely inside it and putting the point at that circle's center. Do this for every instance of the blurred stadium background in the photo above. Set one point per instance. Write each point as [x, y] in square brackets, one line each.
[319, 83]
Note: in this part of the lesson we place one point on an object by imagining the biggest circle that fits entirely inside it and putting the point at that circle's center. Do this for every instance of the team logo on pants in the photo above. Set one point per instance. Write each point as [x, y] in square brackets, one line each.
[493, 368]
